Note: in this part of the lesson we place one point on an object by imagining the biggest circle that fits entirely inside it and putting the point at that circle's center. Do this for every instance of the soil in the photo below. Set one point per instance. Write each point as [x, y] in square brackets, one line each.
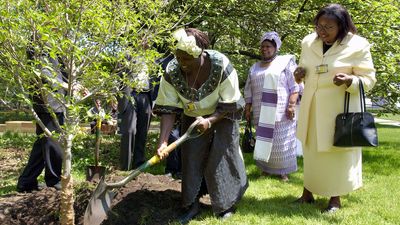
[149, 199]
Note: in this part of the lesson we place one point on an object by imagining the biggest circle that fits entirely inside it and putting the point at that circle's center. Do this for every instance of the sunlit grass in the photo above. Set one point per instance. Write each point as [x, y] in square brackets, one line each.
[267, 200]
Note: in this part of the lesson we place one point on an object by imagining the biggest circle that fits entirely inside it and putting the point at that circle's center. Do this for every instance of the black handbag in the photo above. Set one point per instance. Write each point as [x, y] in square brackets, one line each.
[354, 129]
[248, 141]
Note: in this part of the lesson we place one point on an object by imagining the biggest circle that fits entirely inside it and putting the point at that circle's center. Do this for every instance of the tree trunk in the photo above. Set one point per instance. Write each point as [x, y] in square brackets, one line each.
[67, 212]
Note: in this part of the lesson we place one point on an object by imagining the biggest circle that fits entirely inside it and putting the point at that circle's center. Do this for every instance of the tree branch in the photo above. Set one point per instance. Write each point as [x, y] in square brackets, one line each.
[245, 53]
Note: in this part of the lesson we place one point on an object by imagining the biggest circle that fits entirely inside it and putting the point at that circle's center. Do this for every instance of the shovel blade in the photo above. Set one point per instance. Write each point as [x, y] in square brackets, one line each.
[99, 205]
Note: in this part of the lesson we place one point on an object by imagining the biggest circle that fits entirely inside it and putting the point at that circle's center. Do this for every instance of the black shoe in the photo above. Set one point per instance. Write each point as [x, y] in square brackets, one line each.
[57, 186]
[330, 209]
[302, 200]
[190, 213]
[41, 186]
[227, 213]
[284, 178]
[23, 189]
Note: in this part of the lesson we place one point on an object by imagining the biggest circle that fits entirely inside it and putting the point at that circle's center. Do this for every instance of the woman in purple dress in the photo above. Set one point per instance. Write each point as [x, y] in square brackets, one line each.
[271, 95]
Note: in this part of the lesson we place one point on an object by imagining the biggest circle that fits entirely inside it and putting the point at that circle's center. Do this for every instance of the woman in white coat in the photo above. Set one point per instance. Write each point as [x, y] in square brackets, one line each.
[333, 60]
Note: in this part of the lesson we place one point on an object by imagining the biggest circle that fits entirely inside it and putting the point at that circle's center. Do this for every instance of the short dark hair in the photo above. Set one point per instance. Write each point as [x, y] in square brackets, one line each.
[342, 18]
[202, 39]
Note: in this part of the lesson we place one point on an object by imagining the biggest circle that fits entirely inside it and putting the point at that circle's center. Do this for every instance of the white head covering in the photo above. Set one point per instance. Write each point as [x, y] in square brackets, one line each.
[271, 36]
[186, 43]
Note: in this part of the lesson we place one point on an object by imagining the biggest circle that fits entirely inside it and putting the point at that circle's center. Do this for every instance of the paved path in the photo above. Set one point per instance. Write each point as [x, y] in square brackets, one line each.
[387, 122]
[154, 127]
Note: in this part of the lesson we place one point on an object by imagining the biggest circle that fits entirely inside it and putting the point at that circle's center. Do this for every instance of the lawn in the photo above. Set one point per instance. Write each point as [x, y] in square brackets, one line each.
[389, 116]
[268, 200]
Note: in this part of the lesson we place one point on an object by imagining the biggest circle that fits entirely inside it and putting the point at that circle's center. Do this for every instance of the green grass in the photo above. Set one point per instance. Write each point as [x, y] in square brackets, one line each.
[268, 200]
[389, 116]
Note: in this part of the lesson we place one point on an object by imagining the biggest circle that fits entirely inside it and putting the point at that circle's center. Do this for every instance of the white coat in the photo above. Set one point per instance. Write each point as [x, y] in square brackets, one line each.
[352, 56]
[328, 170]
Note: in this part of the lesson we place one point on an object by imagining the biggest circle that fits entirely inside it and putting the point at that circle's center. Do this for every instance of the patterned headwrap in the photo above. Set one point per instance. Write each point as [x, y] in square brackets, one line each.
[272, 35]
[186, 43]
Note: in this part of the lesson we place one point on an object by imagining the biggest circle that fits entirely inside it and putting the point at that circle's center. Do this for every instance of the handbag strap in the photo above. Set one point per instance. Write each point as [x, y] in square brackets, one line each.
[346, 102]
[362, 98]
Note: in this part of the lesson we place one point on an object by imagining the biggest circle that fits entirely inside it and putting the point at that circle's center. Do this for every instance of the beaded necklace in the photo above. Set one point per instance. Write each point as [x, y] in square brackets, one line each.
[190, 106]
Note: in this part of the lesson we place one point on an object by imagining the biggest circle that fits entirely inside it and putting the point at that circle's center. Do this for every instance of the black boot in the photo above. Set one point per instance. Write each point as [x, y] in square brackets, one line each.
[192, 211]
[227, 213]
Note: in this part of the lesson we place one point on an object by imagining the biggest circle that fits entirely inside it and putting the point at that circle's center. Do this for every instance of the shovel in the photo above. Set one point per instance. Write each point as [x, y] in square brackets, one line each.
[96, 172]
[100, 203]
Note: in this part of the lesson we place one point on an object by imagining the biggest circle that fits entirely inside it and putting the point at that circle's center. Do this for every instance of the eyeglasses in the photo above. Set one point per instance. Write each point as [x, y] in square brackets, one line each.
[324, 28]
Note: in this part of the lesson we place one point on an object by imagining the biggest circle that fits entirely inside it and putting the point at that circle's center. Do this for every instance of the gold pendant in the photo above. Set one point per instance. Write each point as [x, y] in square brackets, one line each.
[191, 106]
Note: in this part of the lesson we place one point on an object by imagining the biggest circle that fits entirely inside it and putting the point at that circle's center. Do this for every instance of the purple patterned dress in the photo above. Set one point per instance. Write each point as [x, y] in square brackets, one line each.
[283, 154]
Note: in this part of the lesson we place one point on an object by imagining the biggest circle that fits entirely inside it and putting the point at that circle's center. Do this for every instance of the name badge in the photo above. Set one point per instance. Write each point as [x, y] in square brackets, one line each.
[323, 68]
[191, 106]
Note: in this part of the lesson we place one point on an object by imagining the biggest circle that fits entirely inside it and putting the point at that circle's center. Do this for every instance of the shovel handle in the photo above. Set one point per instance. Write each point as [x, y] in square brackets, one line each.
[190, 133]
[98, 140]
[156, 159]
[153, 160]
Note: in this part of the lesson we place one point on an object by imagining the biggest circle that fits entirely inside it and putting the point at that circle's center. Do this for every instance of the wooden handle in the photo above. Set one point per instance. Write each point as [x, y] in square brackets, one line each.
[156, 159]
[170, 148]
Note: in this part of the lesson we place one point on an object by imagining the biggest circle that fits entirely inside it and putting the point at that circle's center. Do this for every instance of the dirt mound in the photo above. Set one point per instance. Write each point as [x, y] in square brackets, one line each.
[39, 207]
[148, 199]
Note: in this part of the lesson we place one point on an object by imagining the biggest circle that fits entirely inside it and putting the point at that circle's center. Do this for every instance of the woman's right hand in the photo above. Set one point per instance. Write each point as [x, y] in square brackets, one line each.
[299, 74]
[166, 125]
[247, 112]
[162, 154]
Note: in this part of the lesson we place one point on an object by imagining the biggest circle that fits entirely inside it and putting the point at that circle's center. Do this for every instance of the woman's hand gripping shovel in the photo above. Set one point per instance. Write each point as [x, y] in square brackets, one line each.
[100, 203]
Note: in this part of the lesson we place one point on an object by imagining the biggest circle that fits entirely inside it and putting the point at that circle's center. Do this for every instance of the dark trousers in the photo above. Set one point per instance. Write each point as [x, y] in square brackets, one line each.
[134, 125]
[173, 163]
[45, 151]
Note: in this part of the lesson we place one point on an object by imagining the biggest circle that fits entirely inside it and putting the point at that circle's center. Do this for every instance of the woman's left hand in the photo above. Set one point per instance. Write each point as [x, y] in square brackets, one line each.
[160, 151]
[290, 111]
[203, 125]
[342, 78]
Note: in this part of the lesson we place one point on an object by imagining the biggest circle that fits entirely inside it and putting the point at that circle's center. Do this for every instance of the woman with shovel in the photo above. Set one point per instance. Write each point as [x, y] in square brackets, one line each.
[204, 86]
